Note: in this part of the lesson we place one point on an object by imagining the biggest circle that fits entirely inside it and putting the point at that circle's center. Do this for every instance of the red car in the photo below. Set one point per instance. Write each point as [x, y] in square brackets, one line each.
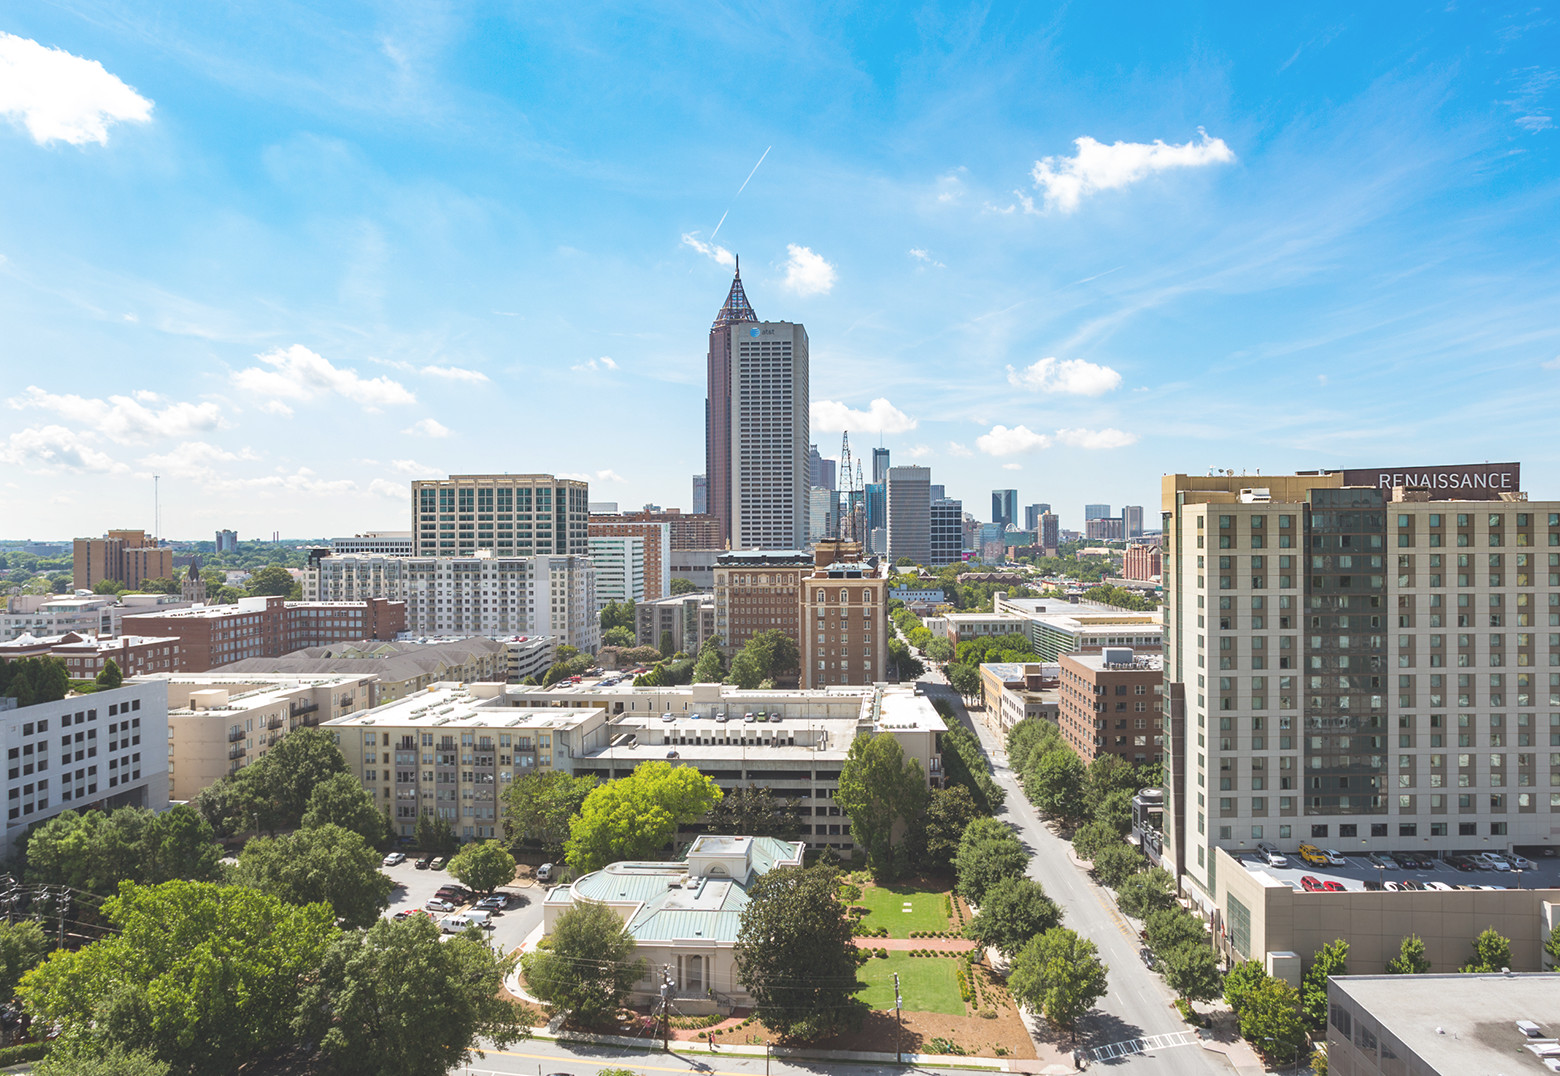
[1334, 887]
[1311, 883]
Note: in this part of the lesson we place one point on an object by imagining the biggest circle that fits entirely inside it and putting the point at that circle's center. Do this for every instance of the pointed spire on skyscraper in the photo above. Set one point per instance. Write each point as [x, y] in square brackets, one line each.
[737, 307]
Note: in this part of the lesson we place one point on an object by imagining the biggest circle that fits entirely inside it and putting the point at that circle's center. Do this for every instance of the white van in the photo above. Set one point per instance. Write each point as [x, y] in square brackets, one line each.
[479, 918]
[455, 922]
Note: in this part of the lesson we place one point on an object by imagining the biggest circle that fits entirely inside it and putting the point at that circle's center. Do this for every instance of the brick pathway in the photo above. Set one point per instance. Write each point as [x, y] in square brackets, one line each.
[940, 945]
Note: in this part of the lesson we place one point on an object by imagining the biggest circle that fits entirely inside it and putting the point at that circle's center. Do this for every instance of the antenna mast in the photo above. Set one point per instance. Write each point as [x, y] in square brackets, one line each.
[156, 509]
[850, 480]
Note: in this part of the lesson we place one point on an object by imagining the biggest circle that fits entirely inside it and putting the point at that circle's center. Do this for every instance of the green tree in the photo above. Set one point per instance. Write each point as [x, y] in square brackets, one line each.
[965, 679]
[1060, 975]
[637, 816]
[1115, 863]
[1105, 776]
[1115, 811]
[1331, 959]
[1552, 944]
[988, 852]
[1192, 971]
[949, 811]
[109, 675]
[623, 637]
[1173, 927]
[794, 954]
[1054, 784]
[906, 664]
[939, 649]
[668, 645]
[1411, 959]
[107, 586]
[96, 851]
[755, 812]
[1013, 911]
[1090, 839]
[1491, 953]
[618, 615]
[1145, 893]
[882, 791]
[587, 967]
[707, 669]
[775, 654]
[285, 777]
[204, 976]
[326, 864]
[483, 866]
[159, 586]
[1030, 738]
[80, 1057]
[34, 680]
[396, 1001]
[745, 672]
[341, 800]
[434, 835]
[1270, 1019]
[273, 580]
[538, 806]
[684, 586]
[1240, 981]
[22, 948]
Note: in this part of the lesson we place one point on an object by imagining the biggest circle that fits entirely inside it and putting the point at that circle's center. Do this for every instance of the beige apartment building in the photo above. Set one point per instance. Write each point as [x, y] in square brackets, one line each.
[219, 723]
[451, 751]
[845, 611]
[125, 556]
[508, 514]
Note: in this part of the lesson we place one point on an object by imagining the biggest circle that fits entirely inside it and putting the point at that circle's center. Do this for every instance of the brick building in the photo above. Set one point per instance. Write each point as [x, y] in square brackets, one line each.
[845, 611]
[1109, 704]
[1142, 561]
[85, 655]
[696, 531]
[268, 627]
[756, 590]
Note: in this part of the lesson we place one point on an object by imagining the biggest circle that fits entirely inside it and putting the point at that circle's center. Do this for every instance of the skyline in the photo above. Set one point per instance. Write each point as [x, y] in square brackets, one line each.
[291, 261]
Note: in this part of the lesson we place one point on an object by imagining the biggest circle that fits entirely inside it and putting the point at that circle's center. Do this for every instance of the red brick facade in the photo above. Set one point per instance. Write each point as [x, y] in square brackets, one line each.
[213, 636]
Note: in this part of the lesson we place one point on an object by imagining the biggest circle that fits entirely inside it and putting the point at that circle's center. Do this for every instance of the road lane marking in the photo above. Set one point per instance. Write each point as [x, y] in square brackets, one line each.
[1143, 1046]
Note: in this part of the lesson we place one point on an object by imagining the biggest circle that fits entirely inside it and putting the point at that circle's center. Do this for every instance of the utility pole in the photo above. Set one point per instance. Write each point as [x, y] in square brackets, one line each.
[666, 1007]
[899, 1056]
[63, 899]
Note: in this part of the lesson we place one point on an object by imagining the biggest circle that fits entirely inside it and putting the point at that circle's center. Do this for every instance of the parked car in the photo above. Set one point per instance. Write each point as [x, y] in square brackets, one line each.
[1334, 887]
[438, 863]
[1462, 863]
[1313, 855]
[1496, 861]
[1148, 958]
[1334, 858]
[398, 916]
[1415, 884]
[1271, 855]
[1395, 887]
[1374, 886]
[422, 864]
[437, 905]
[1376, 860]
[394, 859]
[452, 892]
[1521, 863]
[1310, 883]
[490, 904]
[1444, 887]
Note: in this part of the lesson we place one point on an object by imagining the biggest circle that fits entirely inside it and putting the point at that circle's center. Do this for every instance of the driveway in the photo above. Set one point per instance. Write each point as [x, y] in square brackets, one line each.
[414, 888]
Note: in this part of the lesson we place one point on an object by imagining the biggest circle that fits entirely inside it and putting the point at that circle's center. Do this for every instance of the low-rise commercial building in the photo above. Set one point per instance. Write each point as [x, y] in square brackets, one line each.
[1060, 627]
[265, 627]
[218, 723]
[452, 750]
[1013, 691]
[86, 655]
[86, 614]
[84, 752]
[1110, 705]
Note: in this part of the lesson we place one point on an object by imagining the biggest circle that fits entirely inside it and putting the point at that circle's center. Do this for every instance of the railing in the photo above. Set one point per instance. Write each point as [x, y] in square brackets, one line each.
[234, 735]
[236, 751]
[297, 710]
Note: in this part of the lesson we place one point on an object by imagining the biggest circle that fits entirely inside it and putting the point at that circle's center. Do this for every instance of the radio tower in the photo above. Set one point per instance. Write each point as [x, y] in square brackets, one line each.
[851, 484]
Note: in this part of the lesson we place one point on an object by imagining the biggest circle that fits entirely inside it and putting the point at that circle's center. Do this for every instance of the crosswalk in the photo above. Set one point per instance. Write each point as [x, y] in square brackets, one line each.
[1143, 1046]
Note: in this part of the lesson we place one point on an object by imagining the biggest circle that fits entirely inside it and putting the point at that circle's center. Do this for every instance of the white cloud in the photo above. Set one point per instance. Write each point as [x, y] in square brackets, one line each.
[195, 460]
[1074, 377]
[300, 374]
[1100, 167]
[1002, 441]
[56, 448]
[427, 427]
[63, 98]
[1552, 364]
[1106, 438]
[609, 475]
[950, 185]
[456, 373]
[879, 417]
[125, 418]
[807, 273]
[956, 449]
[1012, 466]
[386, 488]
[301, 481]
[276, 407]
[924, 258]
[721, 255]
[411, 467]
[605, 362]
[917, 452]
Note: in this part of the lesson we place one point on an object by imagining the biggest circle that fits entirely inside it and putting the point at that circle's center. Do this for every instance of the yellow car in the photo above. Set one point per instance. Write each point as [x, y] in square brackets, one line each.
[1313, 855]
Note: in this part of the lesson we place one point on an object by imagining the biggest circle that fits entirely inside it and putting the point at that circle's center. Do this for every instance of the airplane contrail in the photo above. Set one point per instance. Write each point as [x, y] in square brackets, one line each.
[740, 189]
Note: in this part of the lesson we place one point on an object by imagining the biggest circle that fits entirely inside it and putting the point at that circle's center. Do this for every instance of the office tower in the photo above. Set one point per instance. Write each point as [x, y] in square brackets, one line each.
[823, 514]
[1351, 628]
[1132, 521]
[1050, 532]
[656, 540]
[1104, 529]
[947, 522]
[717, 402]
[875, 502]
[939, 491]
[1095, 511]
[701, 495]
[227, 541]
[620, 567]
[509, 514]
[127, 557]
[820, 470]
[1032, 514]
[1004, 506]
[910, 514]
[880, 465]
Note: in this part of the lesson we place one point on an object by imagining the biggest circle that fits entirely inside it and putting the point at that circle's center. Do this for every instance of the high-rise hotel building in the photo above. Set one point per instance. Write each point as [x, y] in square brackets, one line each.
[1363, 660]
[512, 515]
[757, 459]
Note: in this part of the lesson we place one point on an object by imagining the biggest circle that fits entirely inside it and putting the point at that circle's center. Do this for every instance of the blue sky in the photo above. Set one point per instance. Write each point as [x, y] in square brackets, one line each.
[288, 258]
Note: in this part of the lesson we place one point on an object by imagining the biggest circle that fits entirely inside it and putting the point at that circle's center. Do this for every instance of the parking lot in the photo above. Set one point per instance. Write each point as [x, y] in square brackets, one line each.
[414, 888]
[1367, 872]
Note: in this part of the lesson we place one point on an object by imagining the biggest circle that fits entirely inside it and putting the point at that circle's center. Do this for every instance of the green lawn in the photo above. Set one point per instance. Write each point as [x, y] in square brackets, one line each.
[927, 911]
[927, 983]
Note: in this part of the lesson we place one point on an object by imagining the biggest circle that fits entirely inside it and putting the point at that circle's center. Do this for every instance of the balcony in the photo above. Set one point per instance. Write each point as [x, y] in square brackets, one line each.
[276, 721]
[234, 735]
[236, 751]
[300, 709]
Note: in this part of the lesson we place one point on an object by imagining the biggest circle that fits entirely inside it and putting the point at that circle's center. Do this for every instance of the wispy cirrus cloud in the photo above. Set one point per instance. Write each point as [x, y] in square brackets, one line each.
[427, 427]
[1106, 438]
[1065, 181]
[879, 417]
[604, 362]
[456, 373]
[715, 251]
[1075, 377]
[59, 97]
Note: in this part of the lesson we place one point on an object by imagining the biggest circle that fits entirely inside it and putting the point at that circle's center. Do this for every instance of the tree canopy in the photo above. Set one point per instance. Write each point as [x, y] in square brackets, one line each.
[1060, 975]
[988, 852]
[1013, 910]
[483, 866]
[949, 811]
[882, 791]
[755, 812]
[635, 817]
[1271, 1020]
[1491, 953]
[22, 948]
[538, 806]
[1330, 959]
[34, 680]
[795, 956]
[95, 851]
[1411, 958]
[341, 800]
[326, 864]
[588, 967]
[273, 580]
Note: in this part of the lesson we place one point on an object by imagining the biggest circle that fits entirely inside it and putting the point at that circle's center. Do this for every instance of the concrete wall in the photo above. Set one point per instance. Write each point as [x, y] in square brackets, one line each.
[1375, 924]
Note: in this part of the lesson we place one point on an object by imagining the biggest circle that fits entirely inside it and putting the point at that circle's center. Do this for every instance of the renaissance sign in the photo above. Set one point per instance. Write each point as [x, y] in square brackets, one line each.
[1460, 482]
